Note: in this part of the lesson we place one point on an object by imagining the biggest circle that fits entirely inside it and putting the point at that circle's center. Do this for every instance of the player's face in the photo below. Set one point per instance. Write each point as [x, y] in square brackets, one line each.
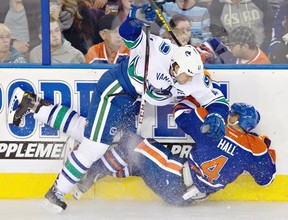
[233, 122]
[181, 78]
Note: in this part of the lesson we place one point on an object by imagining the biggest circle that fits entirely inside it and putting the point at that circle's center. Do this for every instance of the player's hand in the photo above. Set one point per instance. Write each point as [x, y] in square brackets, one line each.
[214, 126]
[138, 16]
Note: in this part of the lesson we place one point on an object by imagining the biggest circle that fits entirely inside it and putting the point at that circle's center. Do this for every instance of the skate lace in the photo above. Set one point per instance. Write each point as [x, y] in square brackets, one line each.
[26, 113]
[59, 195]
[22, 116]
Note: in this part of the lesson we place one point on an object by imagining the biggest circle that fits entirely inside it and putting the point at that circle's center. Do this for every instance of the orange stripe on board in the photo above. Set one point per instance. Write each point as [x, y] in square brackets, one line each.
[159, 157]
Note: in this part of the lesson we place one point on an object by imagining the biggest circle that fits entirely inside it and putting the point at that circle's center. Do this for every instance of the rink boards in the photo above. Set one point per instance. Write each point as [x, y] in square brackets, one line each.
[30, 156]
[23, 186]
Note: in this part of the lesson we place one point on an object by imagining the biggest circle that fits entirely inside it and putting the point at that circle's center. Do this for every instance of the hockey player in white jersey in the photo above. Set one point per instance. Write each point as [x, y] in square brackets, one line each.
[173, 71]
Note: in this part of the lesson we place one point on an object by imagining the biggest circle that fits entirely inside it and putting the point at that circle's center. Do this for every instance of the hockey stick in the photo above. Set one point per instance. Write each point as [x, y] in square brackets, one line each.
[164, 22]
[143, 102]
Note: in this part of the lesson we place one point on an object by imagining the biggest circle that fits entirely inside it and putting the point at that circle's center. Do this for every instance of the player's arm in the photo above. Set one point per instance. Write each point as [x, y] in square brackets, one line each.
[218, 109]
[218, 105]
[263, 164]
[131, 29]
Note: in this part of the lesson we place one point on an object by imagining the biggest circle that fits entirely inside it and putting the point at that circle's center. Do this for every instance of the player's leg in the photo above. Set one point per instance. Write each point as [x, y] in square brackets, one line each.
[189, 117]
[161, 171]
[59, 117]
[115, 162]
[109, 164]
[105, 112]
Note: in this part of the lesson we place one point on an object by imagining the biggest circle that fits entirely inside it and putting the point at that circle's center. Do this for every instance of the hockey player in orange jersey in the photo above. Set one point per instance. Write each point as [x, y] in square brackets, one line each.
[211, 164]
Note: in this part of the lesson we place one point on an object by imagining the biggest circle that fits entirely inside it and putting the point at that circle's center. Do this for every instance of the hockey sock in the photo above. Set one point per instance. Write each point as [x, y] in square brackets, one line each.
[63, 119]
[78, 163]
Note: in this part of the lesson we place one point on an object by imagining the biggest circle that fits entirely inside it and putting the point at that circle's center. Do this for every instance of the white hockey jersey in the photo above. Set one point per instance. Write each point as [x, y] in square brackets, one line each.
[162, 88]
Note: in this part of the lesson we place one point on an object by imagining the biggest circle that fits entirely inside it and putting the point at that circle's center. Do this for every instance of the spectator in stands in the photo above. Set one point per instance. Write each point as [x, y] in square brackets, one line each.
[55, 8]
[68, 12]
[84, 31]
[21, 17]
[198, 16]
[275, 3]
[124, 7]
[211, 50]
[79, 23]
[242, 44]
[204, 3]
[61, 49]
[255, 14]
[100, 4]
[113, 49]
[8, 54]
[278, 49]
[181, 27]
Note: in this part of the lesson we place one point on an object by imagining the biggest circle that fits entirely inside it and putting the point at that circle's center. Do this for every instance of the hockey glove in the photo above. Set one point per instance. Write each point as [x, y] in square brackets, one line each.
[138, 16]
[214, 126]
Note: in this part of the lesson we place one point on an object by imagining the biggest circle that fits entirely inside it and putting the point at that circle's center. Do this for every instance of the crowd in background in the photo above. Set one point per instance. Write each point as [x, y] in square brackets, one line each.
[86, 31]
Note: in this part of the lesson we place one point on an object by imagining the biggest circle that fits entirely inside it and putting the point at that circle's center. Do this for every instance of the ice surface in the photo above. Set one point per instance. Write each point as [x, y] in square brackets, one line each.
[98, 209]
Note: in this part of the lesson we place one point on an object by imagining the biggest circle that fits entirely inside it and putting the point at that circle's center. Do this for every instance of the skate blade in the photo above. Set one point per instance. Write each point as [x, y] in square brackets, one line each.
[15, 100]
[50, 207]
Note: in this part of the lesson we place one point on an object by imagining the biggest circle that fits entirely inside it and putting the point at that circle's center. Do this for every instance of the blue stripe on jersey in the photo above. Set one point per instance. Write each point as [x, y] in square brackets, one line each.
[78, 162]
[68, 120]
[68, 177]
[51, 114]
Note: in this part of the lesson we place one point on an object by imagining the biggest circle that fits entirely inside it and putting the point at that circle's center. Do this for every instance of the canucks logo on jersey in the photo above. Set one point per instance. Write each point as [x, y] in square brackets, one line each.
[158, 94]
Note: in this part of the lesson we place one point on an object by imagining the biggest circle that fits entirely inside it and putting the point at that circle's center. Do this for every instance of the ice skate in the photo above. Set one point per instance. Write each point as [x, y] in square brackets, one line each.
[85, 184]
[21, 104]
[54, 200]
[96, 171]
[195, 194]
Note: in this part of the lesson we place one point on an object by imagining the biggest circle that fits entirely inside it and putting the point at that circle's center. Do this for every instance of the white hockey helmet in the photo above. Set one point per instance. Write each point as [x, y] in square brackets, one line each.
[188, 59]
